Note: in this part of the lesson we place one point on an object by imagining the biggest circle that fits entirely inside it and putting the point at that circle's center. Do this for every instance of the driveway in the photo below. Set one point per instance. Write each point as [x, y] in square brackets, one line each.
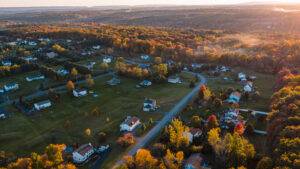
[142, 142]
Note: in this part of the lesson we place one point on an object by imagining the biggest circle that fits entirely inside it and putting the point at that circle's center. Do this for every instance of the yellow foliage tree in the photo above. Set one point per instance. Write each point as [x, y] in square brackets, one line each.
[70, 85]
[174, 160]
[177, 133]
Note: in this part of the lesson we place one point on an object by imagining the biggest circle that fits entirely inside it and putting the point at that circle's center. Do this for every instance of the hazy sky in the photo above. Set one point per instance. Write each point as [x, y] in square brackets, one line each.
[28, 3]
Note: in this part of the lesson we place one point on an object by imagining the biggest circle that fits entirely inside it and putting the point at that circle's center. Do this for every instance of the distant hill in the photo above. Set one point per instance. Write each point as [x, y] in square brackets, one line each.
[233, 18]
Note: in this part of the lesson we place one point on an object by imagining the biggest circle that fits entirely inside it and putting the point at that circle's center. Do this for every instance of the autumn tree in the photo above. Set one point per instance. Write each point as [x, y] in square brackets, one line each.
[161, 70]
[196, 121]
[74, 73]
[126, 140]
[212, 122]
[232, 150]
[157, 60]
[70, 86]
[173, 160]
[204, 93]
[59, 49]
[52, 158]
[87, 132]
[178, 134]
[104, 66]
[239, 128]
[90, 81]
[142, 160]
[265, 163]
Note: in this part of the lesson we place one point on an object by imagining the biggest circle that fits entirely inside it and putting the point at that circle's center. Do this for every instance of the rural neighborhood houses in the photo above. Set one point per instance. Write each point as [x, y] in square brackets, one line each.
[51, 55]
[130, 124]
[3, 114]
[11, 86]
[145, 57]
[107, 59]
[146, 83]
[242, 77]
[114, 81]
[149, 105]
[234, 97]
[42, 105]
[193, 133]
[174, 80]
[6, 63]
[62, 72]
[35, 77]
[81, 154]
[79, 92]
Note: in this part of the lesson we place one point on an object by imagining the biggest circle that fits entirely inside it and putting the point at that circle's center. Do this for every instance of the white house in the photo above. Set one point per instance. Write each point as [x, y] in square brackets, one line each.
[107, 59]
[193, 133]
[3, 114]
[83, 153]
[149, 105]
[30, 59]
[145, 57]
[31, 43]
[222, 69]
[90, 65]
[114, 81]
[12, 43]
[62, 72]
[97, 47]
[146, 83]
[51, 55]
[196, 65]
[174, 79]
[35, 77]
[42, 105]
[130, 123]
[79, 92]
[234, 97]
[11, 86]
[6, 62]
[242, 76]
[248, 87]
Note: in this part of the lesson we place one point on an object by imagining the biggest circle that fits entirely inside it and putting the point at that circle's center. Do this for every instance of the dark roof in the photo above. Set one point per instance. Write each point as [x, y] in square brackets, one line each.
[83, 149]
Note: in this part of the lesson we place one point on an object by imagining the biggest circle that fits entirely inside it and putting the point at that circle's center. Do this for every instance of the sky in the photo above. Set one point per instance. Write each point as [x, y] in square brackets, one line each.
[32, 3]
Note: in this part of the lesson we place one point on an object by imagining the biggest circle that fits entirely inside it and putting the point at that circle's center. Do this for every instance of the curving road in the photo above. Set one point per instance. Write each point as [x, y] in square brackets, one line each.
[142, 142]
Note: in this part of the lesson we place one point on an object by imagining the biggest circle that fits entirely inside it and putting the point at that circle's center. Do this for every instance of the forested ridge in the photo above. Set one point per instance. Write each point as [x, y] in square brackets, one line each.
[177, 44]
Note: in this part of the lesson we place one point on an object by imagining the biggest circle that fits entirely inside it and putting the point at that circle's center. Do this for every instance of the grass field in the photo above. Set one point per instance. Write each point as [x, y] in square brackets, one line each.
[21, 134]
[25, 87]
[264, 84]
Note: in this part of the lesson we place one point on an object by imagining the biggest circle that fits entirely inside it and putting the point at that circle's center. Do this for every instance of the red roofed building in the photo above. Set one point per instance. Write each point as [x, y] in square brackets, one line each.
[130, 124]
[83, 153]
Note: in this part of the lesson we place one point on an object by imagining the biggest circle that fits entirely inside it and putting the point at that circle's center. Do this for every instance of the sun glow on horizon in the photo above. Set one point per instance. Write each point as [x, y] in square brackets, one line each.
[90, 3]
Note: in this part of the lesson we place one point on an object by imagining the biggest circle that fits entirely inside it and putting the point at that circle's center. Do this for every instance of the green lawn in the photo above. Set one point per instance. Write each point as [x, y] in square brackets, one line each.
[21, 134]
[25, 87]
[264, 84]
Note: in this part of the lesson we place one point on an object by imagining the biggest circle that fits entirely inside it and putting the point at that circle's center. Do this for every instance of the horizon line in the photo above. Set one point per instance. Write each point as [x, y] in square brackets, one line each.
[177, 5]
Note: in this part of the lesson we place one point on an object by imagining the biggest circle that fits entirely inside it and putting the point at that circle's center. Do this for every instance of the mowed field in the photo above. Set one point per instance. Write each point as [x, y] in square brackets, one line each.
[23, 134]
[264, 84]
[25, 87]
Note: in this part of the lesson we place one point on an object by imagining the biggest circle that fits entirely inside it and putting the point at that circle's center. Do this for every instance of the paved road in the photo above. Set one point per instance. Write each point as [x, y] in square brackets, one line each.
[261, 132]
[254, 112]
[142, 142]
[45, 92]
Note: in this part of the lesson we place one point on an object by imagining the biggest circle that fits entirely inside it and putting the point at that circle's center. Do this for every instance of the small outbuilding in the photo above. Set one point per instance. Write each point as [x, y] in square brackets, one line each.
[42, 105]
